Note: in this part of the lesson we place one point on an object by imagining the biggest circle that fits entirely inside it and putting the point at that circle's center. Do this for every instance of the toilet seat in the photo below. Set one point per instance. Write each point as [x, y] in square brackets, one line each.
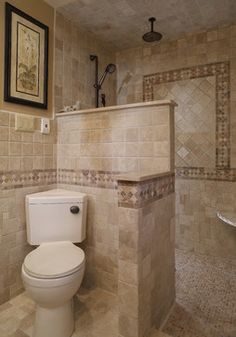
[54, 260]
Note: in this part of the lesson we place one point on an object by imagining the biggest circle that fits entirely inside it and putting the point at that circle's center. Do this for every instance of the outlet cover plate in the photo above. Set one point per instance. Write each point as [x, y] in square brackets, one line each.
[45, 126]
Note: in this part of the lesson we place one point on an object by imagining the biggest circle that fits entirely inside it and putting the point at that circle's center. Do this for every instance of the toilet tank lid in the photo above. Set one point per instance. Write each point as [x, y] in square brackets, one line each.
[56, 196]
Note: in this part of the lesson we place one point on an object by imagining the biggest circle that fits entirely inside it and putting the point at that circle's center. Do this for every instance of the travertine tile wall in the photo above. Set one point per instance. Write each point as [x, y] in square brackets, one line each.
[157, 238]
[198, 228]
[92, 149]
[102, 241]
[146, 273]
[13, 243]
[195, 120]
[207, 47]
[196, 49]
[74, 72]
[27, 165]
[190, 124]
[25, 151]
[134, 139]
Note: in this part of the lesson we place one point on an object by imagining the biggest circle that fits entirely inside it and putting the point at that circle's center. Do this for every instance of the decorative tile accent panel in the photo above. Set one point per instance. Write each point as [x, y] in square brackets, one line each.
[139, 194]
[92, 178]
[206, 173]
[19, 179]
[195, 120]
[221, 71]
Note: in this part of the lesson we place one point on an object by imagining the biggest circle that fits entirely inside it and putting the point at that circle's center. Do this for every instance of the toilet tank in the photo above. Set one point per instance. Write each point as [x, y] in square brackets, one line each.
[56, 215]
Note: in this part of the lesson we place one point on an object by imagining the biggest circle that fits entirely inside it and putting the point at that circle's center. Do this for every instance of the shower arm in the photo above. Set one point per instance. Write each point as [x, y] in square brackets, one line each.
[96, 85]
[152, 20]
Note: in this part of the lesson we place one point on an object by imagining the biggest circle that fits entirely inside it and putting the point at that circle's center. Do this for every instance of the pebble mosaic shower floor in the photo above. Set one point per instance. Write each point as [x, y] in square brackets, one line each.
[205, 297]
[205, 305]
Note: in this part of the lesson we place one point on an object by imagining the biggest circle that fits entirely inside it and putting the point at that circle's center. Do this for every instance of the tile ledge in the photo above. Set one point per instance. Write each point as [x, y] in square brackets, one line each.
[118, 107]
[142, 176]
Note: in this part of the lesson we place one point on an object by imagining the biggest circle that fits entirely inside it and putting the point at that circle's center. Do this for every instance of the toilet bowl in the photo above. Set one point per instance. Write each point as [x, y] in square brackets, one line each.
[52, 274]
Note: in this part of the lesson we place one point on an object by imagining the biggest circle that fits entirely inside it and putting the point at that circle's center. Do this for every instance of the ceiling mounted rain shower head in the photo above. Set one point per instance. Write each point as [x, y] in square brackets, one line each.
[152, 36]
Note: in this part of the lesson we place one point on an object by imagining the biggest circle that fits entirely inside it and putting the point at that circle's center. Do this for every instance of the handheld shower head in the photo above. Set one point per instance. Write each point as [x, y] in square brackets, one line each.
[110, 68]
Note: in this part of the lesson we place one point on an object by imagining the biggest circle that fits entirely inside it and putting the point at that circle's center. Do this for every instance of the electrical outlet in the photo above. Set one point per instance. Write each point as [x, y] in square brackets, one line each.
[24, 123]
[45, 126]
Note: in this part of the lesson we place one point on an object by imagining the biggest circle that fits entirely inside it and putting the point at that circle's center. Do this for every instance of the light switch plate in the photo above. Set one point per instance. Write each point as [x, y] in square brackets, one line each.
[24, 123]
[45, 126]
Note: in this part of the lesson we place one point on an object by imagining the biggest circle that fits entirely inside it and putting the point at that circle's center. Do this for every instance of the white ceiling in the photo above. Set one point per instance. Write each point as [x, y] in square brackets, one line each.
[121, 23]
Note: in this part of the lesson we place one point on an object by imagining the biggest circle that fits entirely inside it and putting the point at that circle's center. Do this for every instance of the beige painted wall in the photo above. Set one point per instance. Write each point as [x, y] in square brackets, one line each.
[45, 14]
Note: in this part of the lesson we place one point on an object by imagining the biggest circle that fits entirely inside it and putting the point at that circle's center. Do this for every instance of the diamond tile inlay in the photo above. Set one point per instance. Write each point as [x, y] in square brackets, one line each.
[194, 119]
[202, 118]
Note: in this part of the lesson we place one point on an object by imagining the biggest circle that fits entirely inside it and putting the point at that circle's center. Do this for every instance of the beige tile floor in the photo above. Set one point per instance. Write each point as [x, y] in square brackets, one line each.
[95, 313]
[205, 306]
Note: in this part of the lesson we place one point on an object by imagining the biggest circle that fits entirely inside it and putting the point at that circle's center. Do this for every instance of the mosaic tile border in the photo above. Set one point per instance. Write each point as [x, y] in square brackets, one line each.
[202, 173]
[139, 194]
[222, 72]
[147, 191]
[90, 178]
[20, 179]
[107, 179]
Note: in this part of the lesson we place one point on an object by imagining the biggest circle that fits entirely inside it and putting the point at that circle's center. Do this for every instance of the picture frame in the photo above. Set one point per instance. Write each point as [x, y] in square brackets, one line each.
[26, 59]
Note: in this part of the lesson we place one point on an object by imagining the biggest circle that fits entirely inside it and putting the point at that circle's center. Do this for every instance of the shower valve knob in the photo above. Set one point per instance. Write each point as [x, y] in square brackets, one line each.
[74, 209]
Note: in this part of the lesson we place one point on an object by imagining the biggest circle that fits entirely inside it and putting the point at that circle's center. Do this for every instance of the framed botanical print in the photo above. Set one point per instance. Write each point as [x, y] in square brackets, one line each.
[26, 59]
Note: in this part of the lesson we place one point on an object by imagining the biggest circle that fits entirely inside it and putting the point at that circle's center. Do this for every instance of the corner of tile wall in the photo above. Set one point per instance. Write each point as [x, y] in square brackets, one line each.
[27, 165]
[146, 267]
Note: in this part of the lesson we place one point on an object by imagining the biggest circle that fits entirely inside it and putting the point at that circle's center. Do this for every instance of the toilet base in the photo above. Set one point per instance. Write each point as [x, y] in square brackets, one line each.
[56, 321]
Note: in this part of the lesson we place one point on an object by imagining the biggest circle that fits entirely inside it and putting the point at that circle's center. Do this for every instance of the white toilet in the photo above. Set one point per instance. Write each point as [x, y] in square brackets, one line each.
[53, 272]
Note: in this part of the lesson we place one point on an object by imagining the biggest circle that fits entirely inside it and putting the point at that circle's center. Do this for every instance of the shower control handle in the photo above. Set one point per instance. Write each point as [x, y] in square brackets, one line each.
[74, 209]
